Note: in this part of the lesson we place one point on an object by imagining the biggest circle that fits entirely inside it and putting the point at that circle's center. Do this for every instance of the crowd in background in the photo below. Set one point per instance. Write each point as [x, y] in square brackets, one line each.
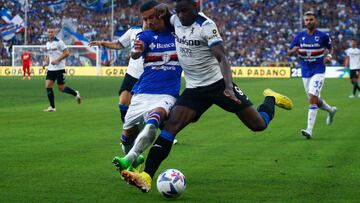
[256, 32]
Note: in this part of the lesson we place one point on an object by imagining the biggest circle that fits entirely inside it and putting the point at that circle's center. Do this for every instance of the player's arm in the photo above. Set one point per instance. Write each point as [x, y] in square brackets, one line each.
[329, 56]
[64, 54]
[293, 50]
[162, 11]
[218, 51]
[294, 46]
[346, 62]
[46, 62]
[107, 44]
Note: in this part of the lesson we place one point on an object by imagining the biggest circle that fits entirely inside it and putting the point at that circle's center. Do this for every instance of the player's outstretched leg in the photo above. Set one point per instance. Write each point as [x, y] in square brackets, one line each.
[281, 101]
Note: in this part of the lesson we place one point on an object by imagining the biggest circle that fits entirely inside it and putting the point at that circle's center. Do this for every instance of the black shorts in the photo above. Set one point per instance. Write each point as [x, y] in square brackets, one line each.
[58, 75]
[128, 83]
[201, 98]
[354, 73]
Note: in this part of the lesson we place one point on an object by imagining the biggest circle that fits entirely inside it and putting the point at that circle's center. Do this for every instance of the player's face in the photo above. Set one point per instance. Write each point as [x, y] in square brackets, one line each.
[354, 43]
[51, 33]
[150, 19]
[310, 22]
[186, 12]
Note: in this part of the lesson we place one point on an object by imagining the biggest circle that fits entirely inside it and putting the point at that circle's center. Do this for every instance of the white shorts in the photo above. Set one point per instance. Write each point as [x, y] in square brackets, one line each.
[142, 104]
[314, 84]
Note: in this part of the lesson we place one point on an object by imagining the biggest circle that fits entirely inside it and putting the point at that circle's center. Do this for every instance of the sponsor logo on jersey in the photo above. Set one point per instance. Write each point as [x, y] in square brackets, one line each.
[187, 42]
[309, 45]
[161, 46]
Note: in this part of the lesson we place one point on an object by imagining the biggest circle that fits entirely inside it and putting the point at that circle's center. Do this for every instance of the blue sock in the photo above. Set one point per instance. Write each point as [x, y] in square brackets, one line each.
[123, 110]
[154, 119]
[267, 109]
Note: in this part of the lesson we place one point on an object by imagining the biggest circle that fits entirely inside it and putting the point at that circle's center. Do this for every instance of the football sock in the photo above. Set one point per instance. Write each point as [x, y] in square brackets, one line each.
[313, 108]
[123, 110]
[158, 152]
[50, 94]
[142, 142]
[324, 106]
[69, 91]
[355, 87]
[146, 137]
[267, 109]
[127, 143]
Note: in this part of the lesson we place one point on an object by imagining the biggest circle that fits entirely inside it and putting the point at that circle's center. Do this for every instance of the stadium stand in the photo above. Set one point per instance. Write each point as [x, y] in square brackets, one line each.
[255, 32]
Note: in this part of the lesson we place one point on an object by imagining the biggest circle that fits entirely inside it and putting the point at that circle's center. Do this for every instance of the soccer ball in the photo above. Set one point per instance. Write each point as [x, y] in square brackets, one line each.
[171, 183]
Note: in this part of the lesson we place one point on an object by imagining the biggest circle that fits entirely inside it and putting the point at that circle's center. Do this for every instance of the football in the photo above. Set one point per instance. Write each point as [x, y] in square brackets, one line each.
[171, 183]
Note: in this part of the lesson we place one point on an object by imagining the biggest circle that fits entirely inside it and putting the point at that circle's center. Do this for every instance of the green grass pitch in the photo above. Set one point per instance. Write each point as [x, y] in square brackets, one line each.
[66, 156]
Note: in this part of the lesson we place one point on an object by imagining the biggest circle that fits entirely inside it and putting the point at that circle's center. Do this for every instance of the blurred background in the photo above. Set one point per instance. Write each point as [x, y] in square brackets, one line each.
[256, 32]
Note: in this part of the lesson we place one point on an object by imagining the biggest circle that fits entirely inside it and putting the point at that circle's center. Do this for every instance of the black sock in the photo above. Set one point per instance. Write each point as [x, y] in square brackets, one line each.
[50, 94]
[69, 91]
[357, 86]
[158, 152]
[123, 110]
[267, 109]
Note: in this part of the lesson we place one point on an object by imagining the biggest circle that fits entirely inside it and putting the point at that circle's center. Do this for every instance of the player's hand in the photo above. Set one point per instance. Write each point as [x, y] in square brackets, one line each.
[160, 10]
[43, 67]
[138, 46]
[295, 49]
[95, 43]
[230, 94]
[327, 59]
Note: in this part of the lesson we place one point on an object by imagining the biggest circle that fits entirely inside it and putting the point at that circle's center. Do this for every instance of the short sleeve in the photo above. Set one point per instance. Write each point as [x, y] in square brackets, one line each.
[143, 36]
[295, 42]
[347, 52]
[125, 39]
[211, 34]
[61, 45]
[172, 20]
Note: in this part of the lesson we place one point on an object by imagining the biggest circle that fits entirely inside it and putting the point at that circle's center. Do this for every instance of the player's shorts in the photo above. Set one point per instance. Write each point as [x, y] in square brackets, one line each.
[58, 75]
[26, 67]
[142, 104]
[314, 84]
[201, 98]
[354, 73]
[128, 83]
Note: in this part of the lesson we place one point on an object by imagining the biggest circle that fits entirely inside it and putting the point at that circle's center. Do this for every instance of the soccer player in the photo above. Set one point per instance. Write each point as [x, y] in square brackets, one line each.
[135, 67]
[208, 81]
[26, 61]
[56, 52]
[311, 47]
[352, 61]
[158, 87]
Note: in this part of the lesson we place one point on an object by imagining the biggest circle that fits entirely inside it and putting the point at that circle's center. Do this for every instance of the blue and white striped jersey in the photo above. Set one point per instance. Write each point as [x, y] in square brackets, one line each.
[162, 71]
[311, 52]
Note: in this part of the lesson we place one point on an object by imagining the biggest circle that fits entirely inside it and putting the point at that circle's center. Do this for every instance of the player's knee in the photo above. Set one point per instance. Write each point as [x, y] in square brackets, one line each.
[124, 97]
[259, 126]
[172, 126]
